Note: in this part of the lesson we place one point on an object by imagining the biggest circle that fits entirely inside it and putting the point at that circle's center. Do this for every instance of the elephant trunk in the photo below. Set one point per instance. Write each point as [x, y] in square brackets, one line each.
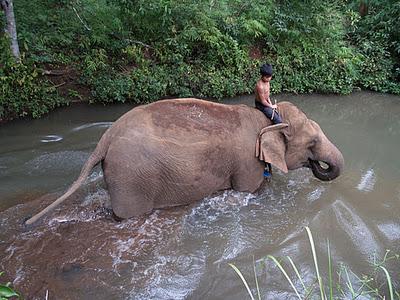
[332, 157]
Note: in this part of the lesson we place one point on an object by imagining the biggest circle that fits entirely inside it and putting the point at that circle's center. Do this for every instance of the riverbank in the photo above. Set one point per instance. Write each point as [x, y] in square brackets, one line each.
[119, 52]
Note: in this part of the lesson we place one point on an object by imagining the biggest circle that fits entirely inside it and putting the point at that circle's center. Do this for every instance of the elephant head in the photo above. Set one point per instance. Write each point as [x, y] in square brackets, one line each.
[299, 142]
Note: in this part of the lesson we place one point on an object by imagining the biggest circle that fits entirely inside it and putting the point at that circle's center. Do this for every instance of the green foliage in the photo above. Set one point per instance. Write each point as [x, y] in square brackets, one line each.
[111, 88]
[306, 45]
[22, 92]
[377, 38]
[60, 31]
[143, 50]
[6, 292]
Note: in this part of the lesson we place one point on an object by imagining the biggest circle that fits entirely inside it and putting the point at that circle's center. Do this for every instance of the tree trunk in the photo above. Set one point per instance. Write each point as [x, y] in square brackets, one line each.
[363, 8]
[11, 27]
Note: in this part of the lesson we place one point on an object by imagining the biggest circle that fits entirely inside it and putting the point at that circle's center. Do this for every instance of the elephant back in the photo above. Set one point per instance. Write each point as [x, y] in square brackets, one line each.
[192, 117]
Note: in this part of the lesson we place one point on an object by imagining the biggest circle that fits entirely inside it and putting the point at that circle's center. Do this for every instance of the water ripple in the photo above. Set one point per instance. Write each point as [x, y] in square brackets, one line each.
[315, 194]
[213, 208]
[367, 181]
[358, 231]
[177, 285]
[390, 230]
[51, 138]
[96, 124]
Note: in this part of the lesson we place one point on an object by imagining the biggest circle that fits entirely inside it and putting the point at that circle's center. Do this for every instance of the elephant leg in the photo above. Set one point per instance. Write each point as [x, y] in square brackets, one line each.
[131, 195]
[248, 178]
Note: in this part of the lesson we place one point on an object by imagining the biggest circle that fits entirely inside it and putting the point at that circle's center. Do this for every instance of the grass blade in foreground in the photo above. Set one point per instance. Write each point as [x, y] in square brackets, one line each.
[297, 273]
[243, 279]
[255, 277]
[349, 284]
[389, 281]
[344, 285]
[284, 273]
[310, 237]
[330, 272]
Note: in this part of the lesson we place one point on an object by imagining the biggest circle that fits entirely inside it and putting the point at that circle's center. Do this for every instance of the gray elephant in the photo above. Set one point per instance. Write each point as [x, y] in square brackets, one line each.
[174, 152]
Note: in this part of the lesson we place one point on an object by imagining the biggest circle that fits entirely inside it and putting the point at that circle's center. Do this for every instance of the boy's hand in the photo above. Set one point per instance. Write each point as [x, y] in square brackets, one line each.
[274, 106]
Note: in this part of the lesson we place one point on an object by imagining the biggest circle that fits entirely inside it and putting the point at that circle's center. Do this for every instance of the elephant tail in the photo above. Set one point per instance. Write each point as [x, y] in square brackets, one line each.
[98, 155]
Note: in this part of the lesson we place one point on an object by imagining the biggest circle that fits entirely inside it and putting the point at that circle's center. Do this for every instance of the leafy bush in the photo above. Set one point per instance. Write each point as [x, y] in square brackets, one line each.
[6, 292]
[377, 38]
[143, 50]
[22, 91]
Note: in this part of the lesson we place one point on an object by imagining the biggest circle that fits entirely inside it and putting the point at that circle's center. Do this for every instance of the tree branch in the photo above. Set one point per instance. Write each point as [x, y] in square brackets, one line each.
[54, 72]
[80, 19]
[139, 42]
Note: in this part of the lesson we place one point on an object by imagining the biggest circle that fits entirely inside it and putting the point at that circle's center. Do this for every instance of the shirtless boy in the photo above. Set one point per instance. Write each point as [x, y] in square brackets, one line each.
[263, 101]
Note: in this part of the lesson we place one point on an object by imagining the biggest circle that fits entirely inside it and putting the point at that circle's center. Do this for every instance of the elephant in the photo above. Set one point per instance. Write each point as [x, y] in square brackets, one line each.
[177, 151]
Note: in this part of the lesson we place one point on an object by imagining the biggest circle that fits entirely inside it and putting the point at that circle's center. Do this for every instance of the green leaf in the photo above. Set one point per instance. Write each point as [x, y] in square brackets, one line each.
[389, 282]
[277, 263]
[310, 237]
[7, 292]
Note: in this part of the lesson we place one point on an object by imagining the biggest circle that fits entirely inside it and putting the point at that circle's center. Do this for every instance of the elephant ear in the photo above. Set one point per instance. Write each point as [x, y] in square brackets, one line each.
[270, 146]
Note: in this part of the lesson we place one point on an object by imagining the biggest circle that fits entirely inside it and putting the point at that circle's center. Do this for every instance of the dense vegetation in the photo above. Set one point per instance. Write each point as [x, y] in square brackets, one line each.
[143, 50]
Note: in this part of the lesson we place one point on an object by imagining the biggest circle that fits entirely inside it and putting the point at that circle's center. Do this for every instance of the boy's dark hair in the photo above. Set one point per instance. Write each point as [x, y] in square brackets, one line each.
[266, 70]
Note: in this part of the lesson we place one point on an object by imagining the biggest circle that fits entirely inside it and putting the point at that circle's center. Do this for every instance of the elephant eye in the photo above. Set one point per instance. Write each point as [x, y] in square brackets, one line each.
[313, 142]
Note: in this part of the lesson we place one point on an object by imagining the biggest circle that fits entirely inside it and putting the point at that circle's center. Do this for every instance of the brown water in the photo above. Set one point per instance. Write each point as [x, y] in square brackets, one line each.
[79, 252]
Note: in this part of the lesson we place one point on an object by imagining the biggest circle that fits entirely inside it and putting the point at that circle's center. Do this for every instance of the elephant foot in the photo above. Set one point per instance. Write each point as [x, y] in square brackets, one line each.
[116, 218]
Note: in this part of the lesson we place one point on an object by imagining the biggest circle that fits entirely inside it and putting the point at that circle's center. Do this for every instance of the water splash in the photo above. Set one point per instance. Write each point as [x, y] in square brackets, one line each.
[362, 236]
[212, 208]
[315, 194]
[391, 231]
[367, 181]
[95, 176]
[177, 285]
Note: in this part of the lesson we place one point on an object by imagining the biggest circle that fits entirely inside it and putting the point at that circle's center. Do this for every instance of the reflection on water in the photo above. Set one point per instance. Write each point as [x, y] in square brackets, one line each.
[80, 252]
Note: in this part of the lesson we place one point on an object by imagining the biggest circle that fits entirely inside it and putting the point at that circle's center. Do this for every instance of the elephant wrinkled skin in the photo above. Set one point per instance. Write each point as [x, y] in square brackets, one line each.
[174, 152]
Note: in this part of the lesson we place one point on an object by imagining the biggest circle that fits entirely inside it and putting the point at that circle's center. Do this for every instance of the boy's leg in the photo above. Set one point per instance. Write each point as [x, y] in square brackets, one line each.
[267, 111]
[273, 116]
[277, 118]
[267, 170]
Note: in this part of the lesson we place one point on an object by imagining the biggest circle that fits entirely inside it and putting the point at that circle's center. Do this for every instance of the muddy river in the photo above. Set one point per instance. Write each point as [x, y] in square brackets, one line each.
[80, 252]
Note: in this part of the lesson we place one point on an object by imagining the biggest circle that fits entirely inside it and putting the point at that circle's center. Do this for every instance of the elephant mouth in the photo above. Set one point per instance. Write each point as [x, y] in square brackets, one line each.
[323, 170]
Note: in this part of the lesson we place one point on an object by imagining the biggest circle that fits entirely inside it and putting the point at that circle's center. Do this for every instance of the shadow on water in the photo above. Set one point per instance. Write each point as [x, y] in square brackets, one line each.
[80, 252]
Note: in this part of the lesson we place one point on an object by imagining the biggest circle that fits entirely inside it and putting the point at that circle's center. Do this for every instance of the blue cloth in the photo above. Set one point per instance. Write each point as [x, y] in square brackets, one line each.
[268, 111]
[267, 174]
